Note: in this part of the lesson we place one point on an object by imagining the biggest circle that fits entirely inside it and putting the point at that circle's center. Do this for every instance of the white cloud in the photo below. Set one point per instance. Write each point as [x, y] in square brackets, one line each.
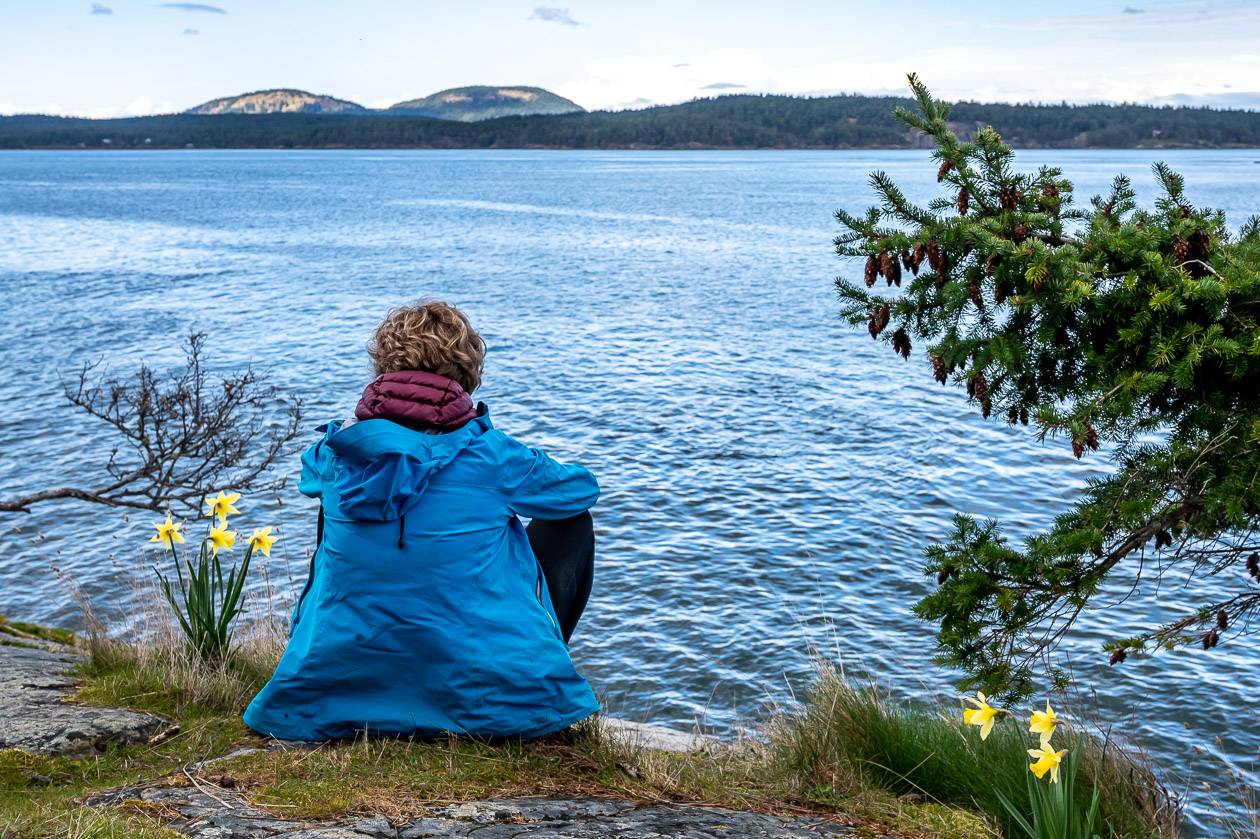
[9, 107]
[146, 105]
[1074, 71]
[204, 8]
[141, 106]
[609, 82]
[553, 14]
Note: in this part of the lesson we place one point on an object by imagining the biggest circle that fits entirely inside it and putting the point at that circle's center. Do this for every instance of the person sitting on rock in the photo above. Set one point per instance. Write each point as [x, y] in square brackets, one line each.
[430, 608]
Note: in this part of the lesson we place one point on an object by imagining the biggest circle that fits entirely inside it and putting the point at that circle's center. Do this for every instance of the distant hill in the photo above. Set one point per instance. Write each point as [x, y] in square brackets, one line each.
[278, 101]
[725, 122]
[473, 104]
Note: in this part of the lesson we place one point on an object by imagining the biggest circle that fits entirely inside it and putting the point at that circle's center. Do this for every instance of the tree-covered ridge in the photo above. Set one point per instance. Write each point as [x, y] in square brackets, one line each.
[481, 102]
[275, 101]
[739, 121]
[1099, 325]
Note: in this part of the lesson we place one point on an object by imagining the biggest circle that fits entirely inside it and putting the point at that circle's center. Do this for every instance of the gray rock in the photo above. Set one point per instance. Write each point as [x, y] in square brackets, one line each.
[377, 826]
[647, 736]
[226, 815]
[241, 752]
[597, 818]
[34, 715]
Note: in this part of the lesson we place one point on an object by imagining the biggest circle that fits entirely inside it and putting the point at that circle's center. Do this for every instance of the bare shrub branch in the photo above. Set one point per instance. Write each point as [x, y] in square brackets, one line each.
[180, 434]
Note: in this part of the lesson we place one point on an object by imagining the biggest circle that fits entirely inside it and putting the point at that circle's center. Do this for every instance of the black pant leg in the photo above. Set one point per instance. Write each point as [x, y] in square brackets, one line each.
[565, 549]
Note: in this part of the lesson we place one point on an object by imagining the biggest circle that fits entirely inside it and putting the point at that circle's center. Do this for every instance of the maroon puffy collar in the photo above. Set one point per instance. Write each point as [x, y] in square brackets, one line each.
[417, 399]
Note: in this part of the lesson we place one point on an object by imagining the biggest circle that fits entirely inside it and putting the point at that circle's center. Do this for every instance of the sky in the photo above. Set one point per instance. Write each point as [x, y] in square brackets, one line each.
[128, 57]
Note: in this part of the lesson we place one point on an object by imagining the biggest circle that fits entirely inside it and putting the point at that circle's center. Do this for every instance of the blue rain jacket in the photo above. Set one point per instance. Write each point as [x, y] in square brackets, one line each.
[426, 611]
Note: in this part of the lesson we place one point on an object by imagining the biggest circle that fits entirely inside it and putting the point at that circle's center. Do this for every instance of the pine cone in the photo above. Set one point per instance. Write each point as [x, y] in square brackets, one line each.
[942, 576]
[962, 201]
[878, 320]
[917, 257]
[938, 369]
[1200, 243]
[870, 271]
[906, 261]
[1012, 416]
[994, 260]
[1222, 620]
[943, 171]
[973, 289]
[1184, 210]
[999, 292]
[1039, 284]
[1091, 438]
[1181, 249]
[933, 255]
[901, 343]
[1050, 191]
[982, 388]
[1210, 639]
[890, 268]
[1118, 657]
[1253, 566]
[1019, 233]
[986, 408]
[1023, 416]
[1078, 448]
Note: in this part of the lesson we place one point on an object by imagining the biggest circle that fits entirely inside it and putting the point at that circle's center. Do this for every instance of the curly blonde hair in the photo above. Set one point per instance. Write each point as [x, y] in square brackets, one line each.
[430, 336]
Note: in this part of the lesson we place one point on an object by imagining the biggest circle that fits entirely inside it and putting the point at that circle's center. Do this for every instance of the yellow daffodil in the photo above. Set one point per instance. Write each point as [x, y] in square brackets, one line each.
[221, 507]
[168, 533]
[221, 539]
[1047, 761]
[1044, 723]
[982, 715]
[262, 540]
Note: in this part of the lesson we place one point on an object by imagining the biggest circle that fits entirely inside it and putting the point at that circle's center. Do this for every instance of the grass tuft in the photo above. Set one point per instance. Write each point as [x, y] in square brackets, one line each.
[21, 633]
[846, 737]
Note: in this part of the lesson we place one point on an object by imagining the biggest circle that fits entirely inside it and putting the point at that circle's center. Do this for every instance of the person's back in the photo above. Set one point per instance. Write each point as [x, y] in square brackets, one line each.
[427, 611]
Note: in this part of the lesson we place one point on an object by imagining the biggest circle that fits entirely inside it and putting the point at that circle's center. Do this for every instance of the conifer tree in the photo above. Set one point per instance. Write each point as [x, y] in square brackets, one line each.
[1105, 325]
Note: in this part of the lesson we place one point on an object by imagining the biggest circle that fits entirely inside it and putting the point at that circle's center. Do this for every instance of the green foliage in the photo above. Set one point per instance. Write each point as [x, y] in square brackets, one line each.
[845, 731]
[1055, 812]
[208, 602]
[19, 631]
[739, 121]
[1108, 325]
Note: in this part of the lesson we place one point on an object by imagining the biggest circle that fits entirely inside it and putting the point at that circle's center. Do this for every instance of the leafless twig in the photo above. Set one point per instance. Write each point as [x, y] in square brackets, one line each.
[182, 433]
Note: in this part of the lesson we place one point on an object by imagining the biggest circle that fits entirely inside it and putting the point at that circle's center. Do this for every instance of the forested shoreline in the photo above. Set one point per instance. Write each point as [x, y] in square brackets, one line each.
[728, 122]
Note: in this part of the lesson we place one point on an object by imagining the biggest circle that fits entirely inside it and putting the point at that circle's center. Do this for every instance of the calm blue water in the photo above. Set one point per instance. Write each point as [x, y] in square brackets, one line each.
[771, 476]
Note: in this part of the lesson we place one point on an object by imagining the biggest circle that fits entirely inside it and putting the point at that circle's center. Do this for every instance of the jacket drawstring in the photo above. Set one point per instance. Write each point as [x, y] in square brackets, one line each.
[402, 526]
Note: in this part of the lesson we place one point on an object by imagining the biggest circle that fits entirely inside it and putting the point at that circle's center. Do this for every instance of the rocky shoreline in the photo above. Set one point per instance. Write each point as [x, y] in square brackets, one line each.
[38, 715]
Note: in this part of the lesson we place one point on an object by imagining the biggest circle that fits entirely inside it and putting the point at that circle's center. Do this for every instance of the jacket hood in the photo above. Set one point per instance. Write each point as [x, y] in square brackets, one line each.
[383, 468]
